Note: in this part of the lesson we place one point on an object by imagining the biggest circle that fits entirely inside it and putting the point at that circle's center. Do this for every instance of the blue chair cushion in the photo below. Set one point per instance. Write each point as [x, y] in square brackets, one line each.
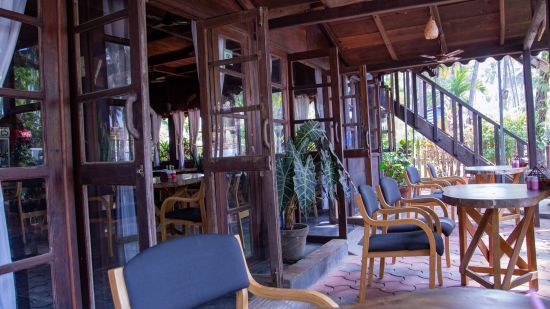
[413, 174]
[404, 241]
[185, 272]
[447, 226]
[432, 170]
[189, 214]
[436, 194]
[390, 190]
[369, 199]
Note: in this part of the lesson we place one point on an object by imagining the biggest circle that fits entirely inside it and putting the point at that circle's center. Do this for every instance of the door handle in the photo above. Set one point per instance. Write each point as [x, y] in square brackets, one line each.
[129, 107]
[267, 144]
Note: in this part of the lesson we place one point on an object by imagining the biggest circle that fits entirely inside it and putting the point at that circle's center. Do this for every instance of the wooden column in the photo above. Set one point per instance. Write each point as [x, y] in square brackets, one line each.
[530, 109]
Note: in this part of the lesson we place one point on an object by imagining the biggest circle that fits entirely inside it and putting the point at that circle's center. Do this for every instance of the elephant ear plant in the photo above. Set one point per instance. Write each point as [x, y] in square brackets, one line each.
[298, 178]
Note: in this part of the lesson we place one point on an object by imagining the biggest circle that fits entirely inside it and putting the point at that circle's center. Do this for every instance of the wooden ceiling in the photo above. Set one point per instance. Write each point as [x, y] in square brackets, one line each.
[383, 34]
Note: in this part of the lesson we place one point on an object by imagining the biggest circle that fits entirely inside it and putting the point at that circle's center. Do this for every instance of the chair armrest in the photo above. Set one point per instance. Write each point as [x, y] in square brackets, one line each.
[427, 185]
[455, 179]
[422, 212]
[312, 297]
[432, 201]
[433, 215]
[440, 181]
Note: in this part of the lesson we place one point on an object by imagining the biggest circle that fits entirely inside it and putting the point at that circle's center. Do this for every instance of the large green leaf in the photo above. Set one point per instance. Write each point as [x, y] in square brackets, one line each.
[304, 184]
[285, 172]
[330, 174]
[309, 133]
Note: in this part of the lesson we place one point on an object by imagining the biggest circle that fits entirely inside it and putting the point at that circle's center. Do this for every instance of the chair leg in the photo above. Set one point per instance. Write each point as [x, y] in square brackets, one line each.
[371, 271]
[362, 280]
[439, 271]
[432, 269]
[453, 213]
[382, 265]
[447, 252]
[163, 230]
[393, 260]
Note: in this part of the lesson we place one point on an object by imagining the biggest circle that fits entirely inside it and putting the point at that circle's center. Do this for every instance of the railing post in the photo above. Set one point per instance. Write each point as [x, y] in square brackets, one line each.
[497, 144]
[414, 98]
[480, 136]
[442, 107]
[476, 137]
[434, 113]
[425, 99]
[460, 123]
[455, 128]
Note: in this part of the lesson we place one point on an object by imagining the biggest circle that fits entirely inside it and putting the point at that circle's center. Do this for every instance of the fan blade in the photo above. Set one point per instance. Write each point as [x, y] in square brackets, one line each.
[428, 56]
[455, 53]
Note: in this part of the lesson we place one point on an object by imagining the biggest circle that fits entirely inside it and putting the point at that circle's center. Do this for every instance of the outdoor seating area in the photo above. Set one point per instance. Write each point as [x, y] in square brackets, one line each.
[274, 153]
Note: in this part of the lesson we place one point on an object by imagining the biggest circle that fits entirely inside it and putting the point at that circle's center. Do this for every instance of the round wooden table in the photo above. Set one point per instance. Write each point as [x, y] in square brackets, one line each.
[180, 181]
[491, 198]
[486, 174]
[454, 298]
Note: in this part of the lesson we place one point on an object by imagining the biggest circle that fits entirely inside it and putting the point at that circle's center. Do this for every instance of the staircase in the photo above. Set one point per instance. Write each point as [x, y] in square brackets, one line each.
[446, 120]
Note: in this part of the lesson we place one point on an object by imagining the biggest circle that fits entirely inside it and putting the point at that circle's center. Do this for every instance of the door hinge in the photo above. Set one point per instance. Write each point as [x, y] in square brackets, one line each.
[140, 171]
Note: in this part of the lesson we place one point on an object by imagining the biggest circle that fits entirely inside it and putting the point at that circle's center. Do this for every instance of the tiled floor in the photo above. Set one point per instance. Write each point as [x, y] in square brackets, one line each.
[411, 273]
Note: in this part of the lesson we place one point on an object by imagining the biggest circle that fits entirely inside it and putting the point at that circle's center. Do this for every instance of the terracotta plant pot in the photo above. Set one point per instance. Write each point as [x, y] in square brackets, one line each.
[404, 192]
[293, 242]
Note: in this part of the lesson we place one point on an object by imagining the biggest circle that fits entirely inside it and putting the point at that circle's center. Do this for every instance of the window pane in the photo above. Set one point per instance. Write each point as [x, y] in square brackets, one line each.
[105, 54]
[23, 213]
[277, 102]
[232, 91]
[113, 234]
[106, 136]
[29, 288]
[233, 137]
[93, 9]
[22, 71]
[21, 138]
[228, 49]
[279, 137]
[275, 70]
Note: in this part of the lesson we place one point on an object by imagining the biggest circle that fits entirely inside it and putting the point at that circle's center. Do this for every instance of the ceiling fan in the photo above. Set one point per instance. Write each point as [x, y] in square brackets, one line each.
[443, 57]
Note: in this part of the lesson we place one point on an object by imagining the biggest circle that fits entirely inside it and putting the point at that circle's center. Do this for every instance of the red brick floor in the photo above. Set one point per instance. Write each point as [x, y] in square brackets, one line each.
[411, 273]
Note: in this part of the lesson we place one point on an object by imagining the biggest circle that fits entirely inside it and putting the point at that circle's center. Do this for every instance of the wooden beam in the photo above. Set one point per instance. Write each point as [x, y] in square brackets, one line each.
[502, 13]
[171, 56]
[437, 18]
[536, 21]
[245, 4]
[361, 9]
[335, 42]
[385, 37]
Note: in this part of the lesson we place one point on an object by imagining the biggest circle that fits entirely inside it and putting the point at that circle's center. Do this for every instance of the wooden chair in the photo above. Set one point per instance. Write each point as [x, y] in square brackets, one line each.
[444, 181]
[416, 184]
[189, 271]
[425, 240]
[186, 213]
[390, 198]
[106, 206]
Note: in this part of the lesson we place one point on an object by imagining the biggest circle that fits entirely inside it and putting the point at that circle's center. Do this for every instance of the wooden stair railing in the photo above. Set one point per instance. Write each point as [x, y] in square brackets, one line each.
[425, 106]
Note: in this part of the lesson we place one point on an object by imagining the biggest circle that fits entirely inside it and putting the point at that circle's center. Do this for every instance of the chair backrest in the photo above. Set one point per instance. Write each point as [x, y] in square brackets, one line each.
[370, 201]
[390, 190]
[432, 170]
[186, 272]
[414, 176]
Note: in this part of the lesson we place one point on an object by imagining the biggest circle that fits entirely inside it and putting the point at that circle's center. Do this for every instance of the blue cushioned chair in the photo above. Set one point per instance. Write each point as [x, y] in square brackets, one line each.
[390, 197]
[444, 181]
[416, 184]
[189, 271]
[425, 240]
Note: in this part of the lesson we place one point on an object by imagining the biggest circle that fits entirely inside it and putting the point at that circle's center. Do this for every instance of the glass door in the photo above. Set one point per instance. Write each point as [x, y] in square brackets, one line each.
[361, 152]
[235, 78]
[314, 95]
[110, 107]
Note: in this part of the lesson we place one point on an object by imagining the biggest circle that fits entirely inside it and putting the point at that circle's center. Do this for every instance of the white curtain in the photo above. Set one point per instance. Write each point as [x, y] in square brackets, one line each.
[319, 103]
[194, 34]
[9, 33]
[178, 119]
[127, 222]
[155, 132]
[194, 119]
[301, 107]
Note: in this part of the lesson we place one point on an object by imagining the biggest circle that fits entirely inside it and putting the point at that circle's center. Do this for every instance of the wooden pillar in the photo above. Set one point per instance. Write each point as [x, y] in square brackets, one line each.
[530, 108]
[173, 141]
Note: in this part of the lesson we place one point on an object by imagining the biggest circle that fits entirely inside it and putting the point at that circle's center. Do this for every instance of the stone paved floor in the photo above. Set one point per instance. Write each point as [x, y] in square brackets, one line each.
[411, 273]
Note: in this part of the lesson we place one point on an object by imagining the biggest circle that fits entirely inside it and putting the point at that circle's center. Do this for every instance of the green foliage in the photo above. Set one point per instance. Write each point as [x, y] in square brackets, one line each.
[394, 163]
[457, 81]
[197, 160]
[297, 179]
[164, 150]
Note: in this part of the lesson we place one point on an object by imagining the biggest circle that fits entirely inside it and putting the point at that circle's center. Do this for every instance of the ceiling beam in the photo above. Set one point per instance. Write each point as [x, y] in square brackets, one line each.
[171, 56]
[245, 4]
[536, 23]
[502, 13]
[385, 37]
[437, 18]
[355, 10]
[335, 42]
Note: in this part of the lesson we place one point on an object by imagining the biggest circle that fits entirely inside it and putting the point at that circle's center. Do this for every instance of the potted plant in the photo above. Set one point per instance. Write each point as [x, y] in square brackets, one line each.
[297, 181]
[394, 164]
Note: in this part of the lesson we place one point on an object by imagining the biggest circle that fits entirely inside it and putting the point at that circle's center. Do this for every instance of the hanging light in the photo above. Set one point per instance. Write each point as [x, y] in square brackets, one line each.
[431, 32]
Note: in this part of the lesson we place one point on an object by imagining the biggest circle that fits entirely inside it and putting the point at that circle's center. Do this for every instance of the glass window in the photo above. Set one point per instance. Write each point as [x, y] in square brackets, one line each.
[93, 9]
[276, 70]
[25, 210]
[278, 103]
[113, 234]
[107, 64]
[21, 138]
[105, 132]
[22, 72]
[29, 288]
[229, 49]
[164, 140]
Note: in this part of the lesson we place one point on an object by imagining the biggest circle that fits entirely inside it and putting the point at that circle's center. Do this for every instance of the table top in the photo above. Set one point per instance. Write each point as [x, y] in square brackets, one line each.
[495, 169]
[454, 298]
[181, 180]
[494, 195]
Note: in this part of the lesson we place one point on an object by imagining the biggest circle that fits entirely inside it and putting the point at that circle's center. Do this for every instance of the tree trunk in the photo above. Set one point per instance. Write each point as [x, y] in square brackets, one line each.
[541, 106]
[473, 82]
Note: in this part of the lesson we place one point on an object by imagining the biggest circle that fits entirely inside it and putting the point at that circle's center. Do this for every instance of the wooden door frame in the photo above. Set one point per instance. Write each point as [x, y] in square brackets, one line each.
[261, 163]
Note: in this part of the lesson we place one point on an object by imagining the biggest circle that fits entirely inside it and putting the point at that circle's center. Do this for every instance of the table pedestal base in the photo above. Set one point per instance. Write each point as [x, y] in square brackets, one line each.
[518, 271]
